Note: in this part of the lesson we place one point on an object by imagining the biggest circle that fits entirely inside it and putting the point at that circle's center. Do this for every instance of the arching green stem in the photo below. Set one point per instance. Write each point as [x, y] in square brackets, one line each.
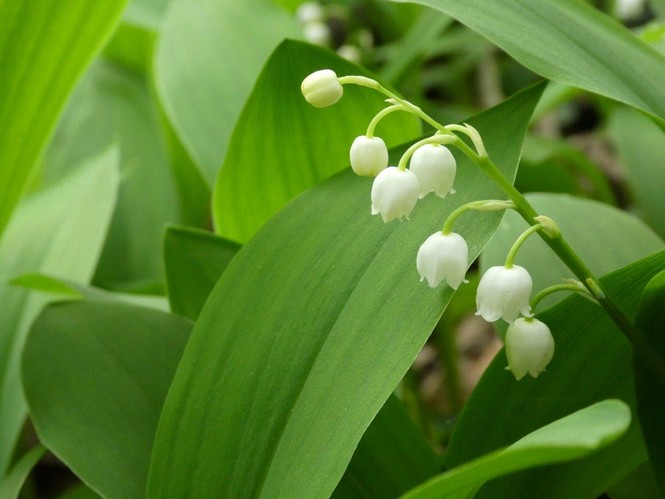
[578, 288]
[484, 205]
[510, 259]
[380, 115]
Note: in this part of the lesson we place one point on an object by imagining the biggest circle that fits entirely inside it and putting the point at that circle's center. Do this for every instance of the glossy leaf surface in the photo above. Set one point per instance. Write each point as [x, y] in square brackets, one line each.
[565, 439]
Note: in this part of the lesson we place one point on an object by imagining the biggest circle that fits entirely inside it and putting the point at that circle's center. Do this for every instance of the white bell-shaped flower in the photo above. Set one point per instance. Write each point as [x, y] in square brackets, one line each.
[369, 155]
[504, 293]
[394, 193]
[443, 256]
[435, 167]
[529, 347]
[321, 88]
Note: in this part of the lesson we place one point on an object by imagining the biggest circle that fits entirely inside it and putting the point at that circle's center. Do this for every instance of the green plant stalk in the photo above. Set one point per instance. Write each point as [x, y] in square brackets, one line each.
[512, 254]
[557, 243]
[576, 288]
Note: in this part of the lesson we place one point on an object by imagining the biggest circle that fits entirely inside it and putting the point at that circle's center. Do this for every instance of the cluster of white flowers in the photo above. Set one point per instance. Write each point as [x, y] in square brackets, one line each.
[504, 291]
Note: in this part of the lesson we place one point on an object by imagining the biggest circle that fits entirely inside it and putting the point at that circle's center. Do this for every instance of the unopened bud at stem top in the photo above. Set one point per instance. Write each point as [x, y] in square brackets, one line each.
[322, 88]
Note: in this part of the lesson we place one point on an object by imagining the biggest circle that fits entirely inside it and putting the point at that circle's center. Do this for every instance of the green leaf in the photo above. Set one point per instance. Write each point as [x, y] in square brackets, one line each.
[650, 393]
[570, 42]
[147, 199]
[592, 362]
[59, 231]
[68, 290]
[44, 48]
[392, 457]
[205, 68]
[269, 163]
[597, 232]
[307, 333]
[565, 439]
[641, 145]
[194, 260]
[95, 376]
[11, 484]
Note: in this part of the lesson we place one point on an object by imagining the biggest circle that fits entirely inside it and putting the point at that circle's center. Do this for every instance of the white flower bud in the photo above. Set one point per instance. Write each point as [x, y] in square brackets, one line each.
[435, 167]
[310, 12]
[368, 156]
[529, 347]
[317, 33]
[321, 88]
[350, 53]
[504, 293]
[394, 193]
[443, 256]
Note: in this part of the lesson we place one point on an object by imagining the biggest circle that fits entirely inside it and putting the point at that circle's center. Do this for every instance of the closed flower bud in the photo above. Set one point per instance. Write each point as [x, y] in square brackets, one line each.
[443, 257]
[504, 293]
[321, 88]
[529, 347]
[317, 33]
[368, 156]
[394, 193]
[435, 167]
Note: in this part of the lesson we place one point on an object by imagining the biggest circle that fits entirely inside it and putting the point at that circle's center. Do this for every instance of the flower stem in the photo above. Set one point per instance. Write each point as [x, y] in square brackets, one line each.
[510, 259]
[578, 288]
[556, 242]
[484, 205]
[380, 115]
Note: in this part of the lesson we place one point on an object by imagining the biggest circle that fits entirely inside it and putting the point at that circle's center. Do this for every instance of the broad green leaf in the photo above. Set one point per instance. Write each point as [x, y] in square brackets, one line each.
[282, 145]
[208, 57]
[597, 232]
[58, 231]
[570, 42]
[392, 457]
[95, 376]
[565, 439]
[194, 260]
[80, 491]
[113, 105]
[307, 333]
[44, 48]
[65, 289]
[641, 145]
[592, 362]
[11, 484]
[650, 393]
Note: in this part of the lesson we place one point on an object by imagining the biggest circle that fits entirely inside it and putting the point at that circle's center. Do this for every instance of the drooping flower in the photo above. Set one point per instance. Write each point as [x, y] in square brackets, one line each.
[443, 257]
[504, 293]
[529, 347]
[435, 167]
[394, 193]
[321, 88]
[369, 155]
